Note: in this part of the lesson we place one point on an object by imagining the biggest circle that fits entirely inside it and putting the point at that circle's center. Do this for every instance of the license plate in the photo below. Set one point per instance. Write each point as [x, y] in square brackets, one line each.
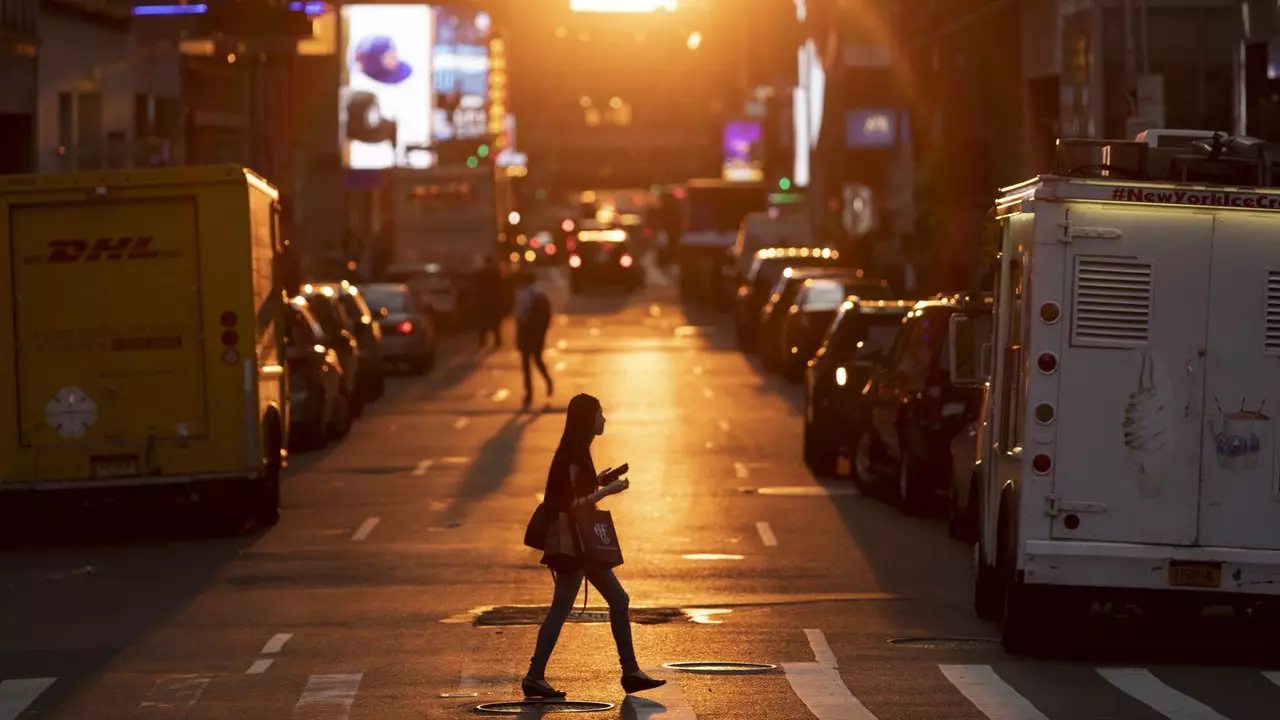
[1195, 574]
[114, 466]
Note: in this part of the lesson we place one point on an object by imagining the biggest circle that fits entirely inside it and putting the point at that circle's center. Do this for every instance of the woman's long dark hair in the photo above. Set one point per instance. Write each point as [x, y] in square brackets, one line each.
[579, 431]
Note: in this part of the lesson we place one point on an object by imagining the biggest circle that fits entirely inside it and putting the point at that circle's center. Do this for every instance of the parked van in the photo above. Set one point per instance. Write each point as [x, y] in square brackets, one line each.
[146, 314]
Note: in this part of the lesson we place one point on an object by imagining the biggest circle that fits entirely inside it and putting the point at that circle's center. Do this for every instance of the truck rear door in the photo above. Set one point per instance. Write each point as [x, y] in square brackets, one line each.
[1240, 480]
[108, 323]
[1130, 397]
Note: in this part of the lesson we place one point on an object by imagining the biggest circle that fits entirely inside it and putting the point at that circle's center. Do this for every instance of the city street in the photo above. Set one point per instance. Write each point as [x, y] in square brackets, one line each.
[396, 584]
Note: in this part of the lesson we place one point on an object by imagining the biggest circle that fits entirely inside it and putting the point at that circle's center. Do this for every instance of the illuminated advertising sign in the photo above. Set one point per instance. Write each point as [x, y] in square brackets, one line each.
[871, 128]
[460, 68]
[743, 151]
[498, 92]
[807, 106]
[385, 98]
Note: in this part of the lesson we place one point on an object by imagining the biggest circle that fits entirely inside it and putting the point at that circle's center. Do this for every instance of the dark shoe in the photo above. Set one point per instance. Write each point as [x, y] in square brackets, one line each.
[639, 682]
[539, 689]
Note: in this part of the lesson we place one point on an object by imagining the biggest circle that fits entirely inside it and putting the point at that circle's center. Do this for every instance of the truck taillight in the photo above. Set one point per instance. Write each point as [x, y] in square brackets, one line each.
[1042, 464]
[229, 319]
[405, 327]
[625, 260]
[230, 338]
[1047, 363]
[575, 261]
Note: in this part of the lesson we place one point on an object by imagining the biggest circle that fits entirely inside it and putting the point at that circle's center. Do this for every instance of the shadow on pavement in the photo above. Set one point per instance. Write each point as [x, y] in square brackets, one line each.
[494, 463]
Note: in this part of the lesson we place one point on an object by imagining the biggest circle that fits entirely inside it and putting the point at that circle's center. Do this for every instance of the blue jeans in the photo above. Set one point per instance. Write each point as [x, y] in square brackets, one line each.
[567, 584]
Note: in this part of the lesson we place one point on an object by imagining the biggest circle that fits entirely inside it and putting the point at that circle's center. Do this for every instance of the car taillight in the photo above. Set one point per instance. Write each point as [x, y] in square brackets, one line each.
[625, 260]
[575, 261]
[404, 328]
[550, 249]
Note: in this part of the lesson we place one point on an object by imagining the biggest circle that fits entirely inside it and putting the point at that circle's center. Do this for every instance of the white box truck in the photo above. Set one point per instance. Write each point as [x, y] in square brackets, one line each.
[1129, 454]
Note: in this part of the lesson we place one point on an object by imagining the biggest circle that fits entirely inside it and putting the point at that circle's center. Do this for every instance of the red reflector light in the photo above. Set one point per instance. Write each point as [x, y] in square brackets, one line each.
[625, 260]
[229, 319]
[1047, 363]
[404, 328]
[575, 261]
[1042, 464]
[230, 337]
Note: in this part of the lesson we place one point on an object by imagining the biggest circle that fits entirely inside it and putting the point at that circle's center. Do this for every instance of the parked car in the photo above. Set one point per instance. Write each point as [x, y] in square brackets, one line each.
[971, 366]
[766, 269]
[916, 411]
[339, 337]
[319, 406]
[808, 318]
[781, 300]
[435, 289]
[408, 335]
[356, 312]
[859, 336]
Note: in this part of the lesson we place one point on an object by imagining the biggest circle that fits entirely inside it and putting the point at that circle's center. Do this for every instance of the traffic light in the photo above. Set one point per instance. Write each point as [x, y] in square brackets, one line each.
[784, 184]
[483, 151]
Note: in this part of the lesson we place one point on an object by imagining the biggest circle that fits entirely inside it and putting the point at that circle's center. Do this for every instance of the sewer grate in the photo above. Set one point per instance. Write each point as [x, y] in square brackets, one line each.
[947, 643]
[515, 707]
[720, 667]
[514, 615]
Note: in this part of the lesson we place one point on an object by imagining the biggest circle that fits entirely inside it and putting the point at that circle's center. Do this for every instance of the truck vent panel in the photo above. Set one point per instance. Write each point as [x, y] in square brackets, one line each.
[1112, 301]
[1271, 344]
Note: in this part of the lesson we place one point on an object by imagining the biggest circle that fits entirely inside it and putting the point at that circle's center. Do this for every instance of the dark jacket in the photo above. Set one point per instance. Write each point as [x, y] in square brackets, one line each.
[560, 493]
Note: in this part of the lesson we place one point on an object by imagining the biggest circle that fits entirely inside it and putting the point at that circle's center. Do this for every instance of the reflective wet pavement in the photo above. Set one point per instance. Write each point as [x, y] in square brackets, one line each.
[398, 573]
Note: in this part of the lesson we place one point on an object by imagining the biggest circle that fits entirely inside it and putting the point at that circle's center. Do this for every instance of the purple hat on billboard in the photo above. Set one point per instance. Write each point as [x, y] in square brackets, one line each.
[377, 57]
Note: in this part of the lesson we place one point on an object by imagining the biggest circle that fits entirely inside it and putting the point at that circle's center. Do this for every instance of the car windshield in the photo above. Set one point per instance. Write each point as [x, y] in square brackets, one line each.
[863, 335]
[824, 295]
[393, 301]
[327, 314]
[770, 269]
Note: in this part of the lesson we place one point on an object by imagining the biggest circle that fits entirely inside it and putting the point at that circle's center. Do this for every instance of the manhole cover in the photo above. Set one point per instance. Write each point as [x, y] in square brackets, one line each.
[516, 707]
[947, 643]
[807, 490]
[513, 615]
[717, 667]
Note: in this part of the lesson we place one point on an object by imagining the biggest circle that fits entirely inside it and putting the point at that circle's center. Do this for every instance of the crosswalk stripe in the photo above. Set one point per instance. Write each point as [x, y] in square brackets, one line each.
[666, 701]
[329, 696]
[1148, 689]
[989, 693]
[822, 690]
[1273, 676]
[821, 650]
[171, 698]
[16, 695]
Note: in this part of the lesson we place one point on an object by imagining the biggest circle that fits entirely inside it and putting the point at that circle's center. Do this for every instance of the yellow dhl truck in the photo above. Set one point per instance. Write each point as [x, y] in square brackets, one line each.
[144, 319]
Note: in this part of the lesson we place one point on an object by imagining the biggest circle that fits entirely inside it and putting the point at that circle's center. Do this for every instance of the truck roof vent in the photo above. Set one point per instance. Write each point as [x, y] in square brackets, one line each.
[1112, 302]
[1271, 344]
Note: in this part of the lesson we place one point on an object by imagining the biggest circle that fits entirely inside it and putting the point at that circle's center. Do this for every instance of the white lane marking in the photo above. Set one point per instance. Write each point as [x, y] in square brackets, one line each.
[821, 650]
[335, 691]
[666, 702]
[1148, 689]
[708, 393]
[741, 470]
[724, 425]
[990, 694]
[539, 496]
[259, 666]
[276, 643]
[824, 693]
[1272, 675]
[461, 423]
[766, 534]
[365, 528]
[17, 694]
[501, 395]
[171, 697]
[423, 466]
[561, 366]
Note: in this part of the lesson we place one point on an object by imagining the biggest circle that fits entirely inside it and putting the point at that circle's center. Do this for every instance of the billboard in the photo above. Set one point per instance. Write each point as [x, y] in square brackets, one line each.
[460, 73]
[743, 151]
[385, 99]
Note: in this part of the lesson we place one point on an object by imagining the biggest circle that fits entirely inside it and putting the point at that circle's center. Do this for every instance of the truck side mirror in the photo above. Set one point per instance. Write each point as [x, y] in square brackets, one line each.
[968, 354]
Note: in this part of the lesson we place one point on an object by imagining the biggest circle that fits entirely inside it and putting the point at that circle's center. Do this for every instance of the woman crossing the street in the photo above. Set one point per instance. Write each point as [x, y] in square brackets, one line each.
[574, 486]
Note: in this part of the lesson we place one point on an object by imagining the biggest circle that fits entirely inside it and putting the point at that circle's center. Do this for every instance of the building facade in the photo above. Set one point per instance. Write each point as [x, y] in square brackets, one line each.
[19, 50]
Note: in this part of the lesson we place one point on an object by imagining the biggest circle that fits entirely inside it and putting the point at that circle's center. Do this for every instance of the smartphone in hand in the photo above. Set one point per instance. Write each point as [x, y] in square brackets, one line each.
[614, 474]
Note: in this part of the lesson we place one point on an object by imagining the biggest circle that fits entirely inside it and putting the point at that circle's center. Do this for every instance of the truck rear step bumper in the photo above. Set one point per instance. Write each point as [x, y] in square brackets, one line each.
[1147, 567]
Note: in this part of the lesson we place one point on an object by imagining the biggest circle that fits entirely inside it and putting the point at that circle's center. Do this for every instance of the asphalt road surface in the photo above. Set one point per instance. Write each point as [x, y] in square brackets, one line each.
[396, 585]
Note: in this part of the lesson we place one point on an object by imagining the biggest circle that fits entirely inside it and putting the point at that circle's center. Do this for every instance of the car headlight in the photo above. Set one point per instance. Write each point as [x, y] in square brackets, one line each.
[842, 376]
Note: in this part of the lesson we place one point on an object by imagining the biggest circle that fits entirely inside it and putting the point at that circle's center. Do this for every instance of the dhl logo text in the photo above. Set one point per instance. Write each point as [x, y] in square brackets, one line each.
[108, 248]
